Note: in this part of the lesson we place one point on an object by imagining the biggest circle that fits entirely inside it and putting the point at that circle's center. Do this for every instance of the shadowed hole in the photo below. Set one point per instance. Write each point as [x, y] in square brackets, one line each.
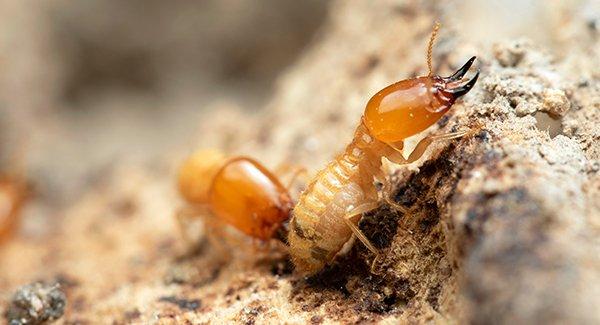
[546, 123]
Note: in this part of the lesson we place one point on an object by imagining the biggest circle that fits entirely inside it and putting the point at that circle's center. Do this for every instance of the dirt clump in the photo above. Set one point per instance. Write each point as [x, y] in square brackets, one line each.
[36, 303]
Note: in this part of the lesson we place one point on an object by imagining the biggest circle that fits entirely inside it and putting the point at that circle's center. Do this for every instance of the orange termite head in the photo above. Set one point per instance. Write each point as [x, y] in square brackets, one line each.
[249, 197]
[197, 173]
[410, 106]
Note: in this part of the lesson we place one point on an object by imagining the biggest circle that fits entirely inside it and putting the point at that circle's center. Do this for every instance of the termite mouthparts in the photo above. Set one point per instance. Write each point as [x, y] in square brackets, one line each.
[410, 106]
[458, 76]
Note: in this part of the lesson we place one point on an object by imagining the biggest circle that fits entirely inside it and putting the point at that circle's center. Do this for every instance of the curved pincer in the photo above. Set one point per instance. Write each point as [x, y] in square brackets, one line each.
[461, 72]
[463, 89]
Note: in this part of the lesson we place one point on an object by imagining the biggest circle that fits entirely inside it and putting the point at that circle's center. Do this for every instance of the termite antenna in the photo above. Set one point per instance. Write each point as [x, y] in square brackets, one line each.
[436, 27]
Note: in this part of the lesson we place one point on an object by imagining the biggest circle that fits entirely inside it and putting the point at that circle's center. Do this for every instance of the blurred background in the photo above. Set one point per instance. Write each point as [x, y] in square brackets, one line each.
[86, 84]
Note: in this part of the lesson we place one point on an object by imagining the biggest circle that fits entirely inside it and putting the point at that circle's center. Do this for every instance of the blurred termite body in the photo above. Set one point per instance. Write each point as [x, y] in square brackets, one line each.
[237, 191]
[328, 212]
[13, 194]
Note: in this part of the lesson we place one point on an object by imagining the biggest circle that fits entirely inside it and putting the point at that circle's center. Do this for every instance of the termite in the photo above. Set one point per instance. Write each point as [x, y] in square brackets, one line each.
[13, 194]
[328, 211]
[238, 191]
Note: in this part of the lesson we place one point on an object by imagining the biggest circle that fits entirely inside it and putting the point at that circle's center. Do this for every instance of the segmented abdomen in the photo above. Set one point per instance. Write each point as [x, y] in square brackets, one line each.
[317, 229]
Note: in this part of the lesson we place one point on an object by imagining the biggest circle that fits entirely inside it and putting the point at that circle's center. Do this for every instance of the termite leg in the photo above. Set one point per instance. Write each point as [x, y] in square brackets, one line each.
[183, 218]
[387, 192]
[357, 212]
[394, 153]
[293, 170]
[425, 142]
[213, 230]
[387, 196]
[286, 168]
[397, 157]
[373, 264]
[300, 171]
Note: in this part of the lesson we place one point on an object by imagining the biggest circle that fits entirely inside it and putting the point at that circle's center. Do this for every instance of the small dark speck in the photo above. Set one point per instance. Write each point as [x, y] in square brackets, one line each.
[371, 62]
[593, 24]
[125, 207]
[415, 72]
[264, 136]
[66, 281]
[282, 268]
[472, 216]
[583, 83]
[252, 311]
[131, 315]
[316, 319]
[443, 121]
[334, 117]
[192, 304]
[405, 10]
[36, 303]
[483, 135]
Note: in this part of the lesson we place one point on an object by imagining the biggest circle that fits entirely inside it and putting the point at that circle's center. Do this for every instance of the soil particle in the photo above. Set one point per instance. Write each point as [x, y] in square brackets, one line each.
[125, 207]
[132, 315]
[36, 303]
[249, 314]
[282, 267]
[527, 92]
[555, 102]
[316, 319]
[380, 226]
[510, 55]
[186, 271]
[182, 303]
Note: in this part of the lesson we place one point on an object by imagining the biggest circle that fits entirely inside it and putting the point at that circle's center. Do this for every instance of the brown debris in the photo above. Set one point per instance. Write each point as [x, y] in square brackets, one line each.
[36, 303]
[184, 304]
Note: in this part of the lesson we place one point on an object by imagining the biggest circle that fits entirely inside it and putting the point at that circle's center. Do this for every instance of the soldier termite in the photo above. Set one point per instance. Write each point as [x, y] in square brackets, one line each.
[328, 212]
